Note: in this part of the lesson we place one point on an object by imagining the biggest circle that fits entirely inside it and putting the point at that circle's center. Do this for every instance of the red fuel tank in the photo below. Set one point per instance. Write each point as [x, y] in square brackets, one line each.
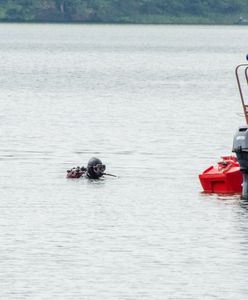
[225, 178]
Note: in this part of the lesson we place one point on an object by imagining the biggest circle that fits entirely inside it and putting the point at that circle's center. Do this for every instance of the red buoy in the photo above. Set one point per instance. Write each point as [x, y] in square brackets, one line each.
[225, 178]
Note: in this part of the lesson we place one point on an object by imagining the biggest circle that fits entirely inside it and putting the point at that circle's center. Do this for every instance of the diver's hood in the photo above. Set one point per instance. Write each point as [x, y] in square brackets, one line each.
[95, 168]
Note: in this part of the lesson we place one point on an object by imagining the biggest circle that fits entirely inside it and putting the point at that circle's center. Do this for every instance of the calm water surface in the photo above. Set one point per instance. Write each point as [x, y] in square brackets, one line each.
[157, 104]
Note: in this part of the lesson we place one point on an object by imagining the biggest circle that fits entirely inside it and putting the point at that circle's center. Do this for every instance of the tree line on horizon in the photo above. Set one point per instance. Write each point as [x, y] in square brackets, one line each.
[123, 11]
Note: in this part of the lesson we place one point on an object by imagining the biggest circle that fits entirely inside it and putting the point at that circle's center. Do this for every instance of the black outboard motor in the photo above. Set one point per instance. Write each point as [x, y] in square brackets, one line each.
[240, 147]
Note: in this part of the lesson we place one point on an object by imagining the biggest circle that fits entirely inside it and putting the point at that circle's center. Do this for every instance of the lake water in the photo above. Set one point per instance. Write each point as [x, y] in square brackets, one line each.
[158, 105]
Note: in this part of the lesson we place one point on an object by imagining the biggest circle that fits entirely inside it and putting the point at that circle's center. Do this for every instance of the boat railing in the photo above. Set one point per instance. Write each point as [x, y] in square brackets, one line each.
[241, 73]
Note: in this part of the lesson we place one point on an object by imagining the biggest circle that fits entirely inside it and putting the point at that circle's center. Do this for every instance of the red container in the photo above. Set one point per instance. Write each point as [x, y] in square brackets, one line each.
[225, 178]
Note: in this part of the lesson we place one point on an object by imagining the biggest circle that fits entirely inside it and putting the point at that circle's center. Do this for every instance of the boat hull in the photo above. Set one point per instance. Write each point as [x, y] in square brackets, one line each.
[224, 178]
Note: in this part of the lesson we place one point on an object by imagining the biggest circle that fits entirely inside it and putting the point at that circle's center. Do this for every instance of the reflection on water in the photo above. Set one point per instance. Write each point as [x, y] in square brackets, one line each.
[244, 204]
[157, 104]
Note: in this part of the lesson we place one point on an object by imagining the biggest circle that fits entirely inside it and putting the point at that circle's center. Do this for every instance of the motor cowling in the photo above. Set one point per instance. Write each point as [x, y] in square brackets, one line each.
[240, 147]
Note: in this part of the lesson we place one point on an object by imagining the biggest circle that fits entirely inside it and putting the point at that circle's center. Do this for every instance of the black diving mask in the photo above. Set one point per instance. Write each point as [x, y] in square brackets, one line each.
[99, 169]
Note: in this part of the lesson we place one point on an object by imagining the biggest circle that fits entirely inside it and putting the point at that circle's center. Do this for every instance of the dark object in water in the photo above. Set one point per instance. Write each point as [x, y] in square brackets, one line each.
[95, 169]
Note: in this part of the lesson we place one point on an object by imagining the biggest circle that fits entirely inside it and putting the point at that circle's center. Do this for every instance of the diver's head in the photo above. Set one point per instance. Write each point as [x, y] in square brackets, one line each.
[95, 168]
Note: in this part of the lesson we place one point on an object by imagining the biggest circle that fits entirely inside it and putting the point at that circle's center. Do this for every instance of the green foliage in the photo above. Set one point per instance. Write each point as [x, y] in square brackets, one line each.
[133, 11]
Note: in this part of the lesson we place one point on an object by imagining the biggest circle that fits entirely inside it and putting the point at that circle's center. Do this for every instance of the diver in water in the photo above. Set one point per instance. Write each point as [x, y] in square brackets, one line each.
[95, 169]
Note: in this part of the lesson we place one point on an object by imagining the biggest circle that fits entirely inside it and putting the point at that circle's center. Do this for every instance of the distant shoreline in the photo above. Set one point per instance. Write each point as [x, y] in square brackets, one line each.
[150, 12]
[121, 23]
